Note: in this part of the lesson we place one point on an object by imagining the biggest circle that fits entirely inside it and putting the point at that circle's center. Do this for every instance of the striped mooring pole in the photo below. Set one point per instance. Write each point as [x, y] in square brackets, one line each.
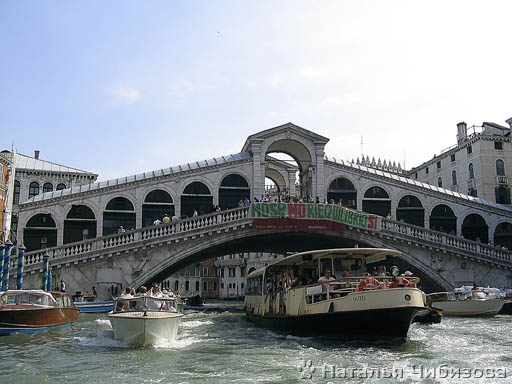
[7, 261]
[46, 263]
[49, 282]
[21, 257]
[2, 250]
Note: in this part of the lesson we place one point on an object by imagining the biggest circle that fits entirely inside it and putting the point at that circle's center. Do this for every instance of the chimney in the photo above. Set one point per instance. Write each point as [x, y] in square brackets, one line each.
[509, 122]
[36, 154]
[462, 132]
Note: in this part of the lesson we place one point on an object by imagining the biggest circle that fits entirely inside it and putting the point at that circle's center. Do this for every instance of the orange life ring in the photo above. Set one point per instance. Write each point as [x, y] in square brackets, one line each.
[368, 283]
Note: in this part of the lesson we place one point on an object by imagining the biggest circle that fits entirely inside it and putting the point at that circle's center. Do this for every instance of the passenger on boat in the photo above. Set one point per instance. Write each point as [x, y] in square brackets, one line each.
[124, 305]
[324, 280]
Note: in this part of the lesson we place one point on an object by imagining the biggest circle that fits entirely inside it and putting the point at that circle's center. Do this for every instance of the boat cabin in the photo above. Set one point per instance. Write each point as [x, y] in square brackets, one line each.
[144, 304]
[26, 297]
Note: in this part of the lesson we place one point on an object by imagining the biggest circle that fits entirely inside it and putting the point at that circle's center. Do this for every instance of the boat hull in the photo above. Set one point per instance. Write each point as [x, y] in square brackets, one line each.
[94, 306]
[30, 320]
[506, 309]
[469, 307]
[370, 324]
[133, 328]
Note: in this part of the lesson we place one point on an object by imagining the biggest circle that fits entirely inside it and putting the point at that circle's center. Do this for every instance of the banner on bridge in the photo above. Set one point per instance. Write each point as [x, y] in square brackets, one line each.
[311, 213]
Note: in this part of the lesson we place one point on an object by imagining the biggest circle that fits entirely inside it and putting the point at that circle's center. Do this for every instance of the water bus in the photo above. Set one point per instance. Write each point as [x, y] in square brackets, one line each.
[329, 292]
[145, 320]
[31, 310]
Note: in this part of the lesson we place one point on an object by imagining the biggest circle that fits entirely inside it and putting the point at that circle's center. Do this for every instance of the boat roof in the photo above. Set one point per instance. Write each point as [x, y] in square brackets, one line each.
[31, 291]
[370, 255]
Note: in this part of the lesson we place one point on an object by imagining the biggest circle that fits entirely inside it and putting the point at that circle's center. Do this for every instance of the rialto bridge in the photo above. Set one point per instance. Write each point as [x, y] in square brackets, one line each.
[444, 234]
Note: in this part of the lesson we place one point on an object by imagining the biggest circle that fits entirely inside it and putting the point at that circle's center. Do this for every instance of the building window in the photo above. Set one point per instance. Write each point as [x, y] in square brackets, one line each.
[242, 285]
[17, 189]
[452, 157]
[469, 149]
[438, 165]
[33, 189]
[232, 272]
[500, 168]
[221, 272]
[176, 285]
[502, 195]
[426, 171]
[498, 145]
[454, 177]
[440, 182]
[205, 271]
[222, 285]
[416, 175]
[197, 286]
[471, 171]
[473, 192]
[60, 187]
[187, 285]
[205, 286]
[215, 286]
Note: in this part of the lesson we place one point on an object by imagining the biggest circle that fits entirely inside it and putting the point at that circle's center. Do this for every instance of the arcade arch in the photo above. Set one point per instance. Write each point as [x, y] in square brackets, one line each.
[233, 188]
[118, 213]
[196, 196]
[443, 219]
[157, 204]
[80, 224]
[503, 235]
[40, 232]
[410, 210]
[342, 189]
[475, 228]
[376, 200]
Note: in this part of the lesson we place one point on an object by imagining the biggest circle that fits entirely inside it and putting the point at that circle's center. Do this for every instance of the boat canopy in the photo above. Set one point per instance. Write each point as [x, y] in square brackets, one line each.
[27, 296]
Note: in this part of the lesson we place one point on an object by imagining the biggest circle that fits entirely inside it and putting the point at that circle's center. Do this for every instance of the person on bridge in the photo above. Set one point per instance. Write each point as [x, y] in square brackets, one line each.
[62, 286]
[157, 222]
[166, 219]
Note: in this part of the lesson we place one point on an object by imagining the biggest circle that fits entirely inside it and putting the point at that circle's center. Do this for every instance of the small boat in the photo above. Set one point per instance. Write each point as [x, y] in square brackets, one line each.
[467, 301]
[144, 320]
[507, 307]
[29, 311]
[428, 316]
[346, 304]
[193, 301]
[95, 306]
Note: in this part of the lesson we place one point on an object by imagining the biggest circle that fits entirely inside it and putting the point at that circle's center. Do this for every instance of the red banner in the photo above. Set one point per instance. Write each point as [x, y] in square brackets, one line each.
[288, 224]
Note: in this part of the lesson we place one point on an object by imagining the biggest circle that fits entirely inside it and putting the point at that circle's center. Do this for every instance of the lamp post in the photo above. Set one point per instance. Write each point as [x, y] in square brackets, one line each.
[21, 257]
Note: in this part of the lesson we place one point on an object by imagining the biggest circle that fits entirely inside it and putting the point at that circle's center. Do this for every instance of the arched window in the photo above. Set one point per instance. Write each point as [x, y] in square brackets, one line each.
[176, 285]
[118, 213]
[410, 210]
[471, 171]
[80, 224]
[233, 188]
[47, 187]
[17, 189]
[196, 197]
[500, 168]
[157, 204]
[454, 177]
[376, 200]
[61, 186]
[33, 189]
[440, 182]
[342, 189]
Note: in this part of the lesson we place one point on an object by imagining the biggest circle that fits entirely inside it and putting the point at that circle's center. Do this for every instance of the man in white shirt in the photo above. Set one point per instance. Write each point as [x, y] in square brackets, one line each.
[325, 281]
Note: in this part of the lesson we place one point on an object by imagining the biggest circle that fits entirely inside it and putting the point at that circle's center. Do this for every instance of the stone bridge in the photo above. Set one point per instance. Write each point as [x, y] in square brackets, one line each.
[153, 253]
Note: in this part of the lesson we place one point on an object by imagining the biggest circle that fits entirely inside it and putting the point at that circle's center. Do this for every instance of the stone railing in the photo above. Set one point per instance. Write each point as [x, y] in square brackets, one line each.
[101, 245]
[105, 244]
[452, 243]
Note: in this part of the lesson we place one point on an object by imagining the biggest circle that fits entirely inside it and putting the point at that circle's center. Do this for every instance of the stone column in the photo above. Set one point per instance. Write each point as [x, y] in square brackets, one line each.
[291, 183]
[318, 177]
[258, 171]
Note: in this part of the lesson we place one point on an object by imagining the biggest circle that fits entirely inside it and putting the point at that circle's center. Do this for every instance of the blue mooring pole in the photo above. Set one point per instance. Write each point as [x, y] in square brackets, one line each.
[2, 251]
[7, 261]
[46, 263]
[49, 286]
[21, 257]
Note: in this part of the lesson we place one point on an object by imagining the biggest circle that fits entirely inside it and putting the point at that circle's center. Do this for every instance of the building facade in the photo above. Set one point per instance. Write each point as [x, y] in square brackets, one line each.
[478, 165]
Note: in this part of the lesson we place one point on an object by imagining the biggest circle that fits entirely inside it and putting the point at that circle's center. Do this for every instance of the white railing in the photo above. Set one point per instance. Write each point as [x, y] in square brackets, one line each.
[111, 242]
[101, 245]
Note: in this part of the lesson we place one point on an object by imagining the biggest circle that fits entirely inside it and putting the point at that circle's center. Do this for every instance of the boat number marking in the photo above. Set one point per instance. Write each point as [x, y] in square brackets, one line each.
[359, 298]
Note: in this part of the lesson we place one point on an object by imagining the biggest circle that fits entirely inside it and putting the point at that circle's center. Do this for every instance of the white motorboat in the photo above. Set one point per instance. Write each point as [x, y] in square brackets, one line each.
[468, 301]
[145, 320]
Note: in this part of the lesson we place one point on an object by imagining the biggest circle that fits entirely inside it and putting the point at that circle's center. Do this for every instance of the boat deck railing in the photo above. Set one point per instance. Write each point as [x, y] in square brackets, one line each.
[144, 303]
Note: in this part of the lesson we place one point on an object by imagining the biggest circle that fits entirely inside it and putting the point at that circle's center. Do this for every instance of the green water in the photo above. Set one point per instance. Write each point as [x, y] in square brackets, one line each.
[223, 347]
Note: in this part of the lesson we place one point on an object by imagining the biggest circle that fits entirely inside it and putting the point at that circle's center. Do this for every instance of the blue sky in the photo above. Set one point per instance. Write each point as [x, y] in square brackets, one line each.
[122, 87]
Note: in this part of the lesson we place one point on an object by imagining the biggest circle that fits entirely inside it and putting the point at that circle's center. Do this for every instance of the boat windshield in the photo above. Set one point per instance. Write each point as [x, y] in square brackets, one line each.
[25, 298]
[145, 303]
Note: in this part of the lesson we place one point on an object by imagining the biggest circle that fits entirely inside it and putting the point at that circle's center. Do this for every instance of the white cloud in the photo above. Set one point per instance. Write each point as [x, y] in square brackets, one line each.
[123, 94]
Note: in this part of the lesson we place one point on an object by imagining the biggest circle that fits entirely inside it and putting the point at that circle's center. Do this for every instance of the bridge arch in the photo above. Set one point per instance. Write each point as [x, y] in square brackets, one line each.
[410, 210]
[79, 224]
[233, 187]
[196, 196]
[40, 232]
[158, 202]
[376, 200]
[443, 219]
[474, 227]
[342, 187]
[119, 212]
[503, 234]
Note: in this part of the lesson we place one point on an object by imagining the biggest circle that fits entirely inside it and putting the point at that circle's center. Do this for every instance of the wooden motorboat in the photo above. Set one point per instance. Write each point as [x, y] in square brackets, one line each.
[355, 306]
[28, 311]
[104, 306]
[466, 301]
[144, 320]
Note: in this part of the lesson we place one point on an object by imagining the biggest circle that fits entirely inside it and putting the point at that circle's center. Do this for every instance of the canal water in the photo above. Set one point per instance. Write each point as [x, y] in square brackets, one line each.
[221, 346]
